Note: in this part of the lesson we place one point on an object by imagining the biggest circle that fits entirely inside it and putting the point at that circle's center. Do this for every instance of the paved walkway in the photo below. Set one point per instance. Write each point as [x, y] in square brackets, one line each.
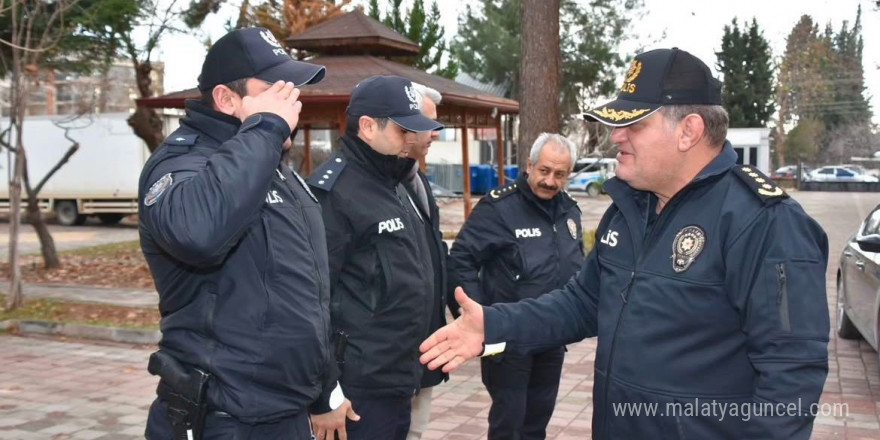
[100, 295]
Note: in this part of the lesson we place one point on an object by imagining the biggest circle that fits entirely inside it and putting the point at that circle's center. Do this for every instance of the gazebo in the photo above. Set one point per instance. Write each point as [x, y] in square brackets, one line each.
[354, 47]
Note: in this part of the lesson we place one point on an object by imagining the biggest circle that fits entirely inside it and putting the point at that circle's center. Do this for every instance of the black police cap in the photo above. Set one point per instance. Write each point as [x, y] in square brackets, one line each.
[657, 78]
[254, 53]
[393, 97]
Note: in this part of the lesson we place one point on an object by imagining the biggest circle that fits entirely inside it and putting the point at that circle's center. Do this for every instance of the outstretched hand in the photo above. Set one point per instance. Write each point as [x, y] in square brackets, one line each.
[455, 343]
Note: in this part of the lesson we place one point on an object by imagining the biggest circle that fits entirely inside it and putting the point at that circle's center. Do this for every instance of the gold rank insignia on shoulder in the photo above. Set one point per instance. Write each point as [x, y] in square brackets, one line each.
[764, 187]
[498, 192]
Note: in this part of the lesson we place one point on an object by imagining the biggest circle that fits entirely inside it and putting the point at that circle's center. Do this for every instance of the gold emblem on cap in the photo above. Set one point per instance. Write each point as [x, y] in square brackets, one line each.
[617, 115]
[634, 70]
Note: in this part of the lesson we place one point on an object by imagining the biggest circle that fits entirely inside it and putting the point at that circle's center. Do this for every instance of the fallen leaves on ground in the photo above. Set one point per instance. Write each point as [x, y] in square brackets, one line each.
[120, 268]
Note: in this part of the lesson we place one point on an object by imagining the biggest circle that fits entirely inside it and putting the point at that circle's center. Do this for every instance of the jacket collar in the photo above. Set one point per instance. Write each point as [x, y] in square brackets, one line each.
[384, 166]
[209, 122]
[634, 204]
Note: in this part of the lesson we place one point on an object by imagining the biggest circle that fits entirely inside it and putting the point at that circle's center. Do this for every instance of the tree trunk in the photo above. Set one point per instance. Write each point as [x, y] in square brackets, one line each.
[540, 70]
[145, 122]
[14, 298]
[35, 217]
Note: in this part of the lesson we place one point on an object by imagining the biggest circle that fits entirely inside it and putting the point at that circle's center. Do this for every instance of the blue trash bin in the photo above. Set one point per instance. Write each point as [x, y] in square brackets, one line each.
[511, 172]
[481, 178]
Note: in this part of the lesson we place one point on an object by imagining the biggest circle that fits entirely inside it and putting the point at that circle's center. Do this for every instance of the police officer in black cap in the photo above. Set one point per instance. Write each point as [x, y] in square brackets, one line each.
[706, 286]
[380, 278]
[520, 241]
[235, 243]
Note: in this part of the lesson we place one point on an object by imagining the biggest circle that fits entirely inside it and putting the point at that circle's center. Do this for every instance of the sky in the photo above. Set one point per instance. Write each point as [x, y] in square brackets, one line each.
[692, 25]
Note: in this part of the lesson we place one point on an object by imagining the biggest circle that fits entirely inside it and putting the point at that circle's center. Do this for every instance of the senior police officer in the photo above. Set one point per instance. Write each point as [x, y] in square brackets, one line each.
[419, 189]
[519, 242]
[235, 243]
[706, 286]
[381, 292]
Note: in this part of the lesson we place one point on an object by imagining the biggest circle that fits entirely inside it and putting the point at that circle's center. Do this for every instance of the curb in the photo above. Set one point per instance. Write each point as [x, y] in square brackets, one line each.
[114, 334]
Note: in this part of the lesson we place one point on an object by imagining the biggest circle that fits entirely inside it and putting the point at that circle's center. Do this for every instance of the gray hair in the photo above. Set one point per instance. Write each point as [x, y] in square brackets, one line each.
[544, 139]
[714, 118]
[427, 92]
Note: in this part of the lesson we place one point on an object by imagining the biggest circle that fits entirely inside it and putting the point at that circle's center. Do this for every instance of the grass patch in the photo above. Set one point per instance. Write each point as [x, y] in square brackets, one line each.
[83, 313]
[105, 250]
[589, 240]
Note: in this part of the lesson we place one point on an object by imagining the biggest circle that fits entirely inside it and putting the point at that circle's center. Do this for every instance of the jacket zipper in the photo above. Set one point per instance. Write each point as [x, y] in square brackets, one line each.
[315, 270]
[782, 297]
[624, 293]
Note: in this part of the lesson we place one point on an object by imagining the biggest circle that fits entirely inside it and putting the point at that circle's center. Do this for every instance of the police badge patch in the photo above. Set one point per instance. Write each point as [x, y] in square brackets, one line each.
[572, 229]
[688, 244]
[158, 189]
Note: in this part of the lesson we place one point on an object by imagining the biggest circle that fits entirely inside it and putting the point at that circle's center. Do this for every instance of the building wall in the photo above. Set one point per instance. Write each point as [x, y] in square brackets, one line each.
[58, 93]
[752, 145]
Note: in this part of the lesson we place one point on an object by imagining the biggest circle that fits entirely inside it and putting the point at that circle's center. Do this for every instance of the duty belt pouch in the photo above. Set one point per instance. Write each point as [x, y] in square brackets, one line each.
[184, 390]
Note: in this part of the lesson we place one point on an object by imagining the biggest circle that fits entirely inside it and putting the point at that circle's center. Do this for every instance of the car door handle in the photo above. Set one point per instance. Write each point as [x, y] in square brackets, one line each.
[860, 264]
[847, 254]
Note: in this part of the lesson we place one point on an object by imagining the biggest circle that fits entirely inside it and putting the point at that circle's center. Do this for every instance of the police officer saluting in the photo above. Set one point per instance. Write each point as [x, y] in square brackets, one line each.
[235, 244]
[519, 242]
[380, 262]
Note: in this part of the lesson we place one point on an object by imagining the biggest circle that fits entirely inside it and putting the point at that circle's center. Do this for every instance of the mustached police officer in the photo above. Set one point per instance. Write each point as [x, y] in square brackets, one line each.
[235, 243]
[380, 278]
[519, 242]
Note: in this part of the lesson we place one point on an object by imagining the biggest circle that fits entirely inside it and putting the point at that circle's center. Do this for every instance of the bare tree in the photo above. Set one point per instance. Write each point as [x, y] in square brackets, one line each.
[36, 27]
[145, 122]
[540, 70]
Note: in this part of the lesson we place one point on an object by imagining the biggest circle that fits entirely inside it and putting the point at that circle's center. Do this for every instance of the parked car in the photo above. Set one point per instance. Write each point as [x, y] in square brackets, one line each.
[858, 283]
[590, 173]
[839, 173]
[788, 172]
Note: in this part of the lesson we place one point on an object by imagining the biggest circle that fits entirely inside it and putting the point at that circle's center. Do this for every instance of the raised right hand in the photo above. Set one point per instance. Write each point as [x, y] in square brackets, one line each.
[282, 99]
[453, 344]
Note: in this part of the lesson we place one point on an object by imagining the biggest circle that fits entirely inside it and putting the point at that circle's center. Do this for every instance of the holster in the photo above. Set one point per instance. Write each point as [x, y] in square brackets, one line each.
[183, 388]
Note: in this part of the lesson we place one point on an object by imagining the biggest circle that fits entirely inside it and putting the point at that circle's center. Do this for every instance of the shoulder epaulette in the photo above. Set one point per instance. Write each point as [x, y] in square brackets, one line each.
[325, 176]
[181, 143]
[762, 186]
[498, 193]
[568, 196]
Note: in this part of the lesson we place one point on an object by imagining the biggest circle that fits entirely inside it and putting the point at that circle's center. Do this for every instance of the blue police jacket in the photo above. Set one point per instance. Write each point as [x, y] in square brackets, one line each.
[381, 280]
[236, 246]
[712, 316]
[515, 246]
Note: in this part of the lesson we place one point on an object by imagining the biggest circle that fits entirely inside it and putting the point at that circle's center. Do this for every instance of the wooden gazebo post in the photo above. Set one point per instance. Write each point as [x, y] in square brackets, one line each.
[466, 167]
[499, 145]
[307, 149]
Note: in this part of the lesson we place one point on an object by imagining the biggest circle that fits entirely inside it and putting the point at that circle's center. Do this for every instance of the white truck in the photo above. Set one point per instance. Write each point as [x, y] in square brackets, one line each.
[100, 179]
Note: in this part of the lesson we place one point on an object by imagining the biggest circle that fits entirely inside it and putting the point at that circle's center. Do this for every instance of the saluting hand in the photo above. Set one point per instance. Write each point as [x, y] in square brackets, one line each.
[282, 99]
[453, 344]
